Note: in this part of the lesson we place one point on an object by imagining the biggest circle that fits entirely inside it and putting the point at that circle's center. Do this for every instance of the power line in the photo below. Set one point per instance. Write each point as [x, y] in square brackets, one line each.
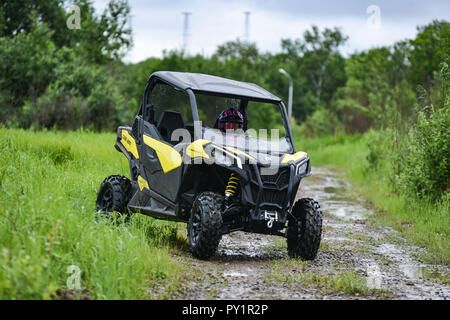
[186, 33]
[247, 26]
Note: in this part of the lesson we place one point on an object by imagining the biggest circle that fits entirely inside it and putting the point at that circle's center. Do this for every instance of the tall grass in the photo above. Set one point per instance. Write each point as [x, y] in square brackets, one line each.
[420, 220]
[48, 185]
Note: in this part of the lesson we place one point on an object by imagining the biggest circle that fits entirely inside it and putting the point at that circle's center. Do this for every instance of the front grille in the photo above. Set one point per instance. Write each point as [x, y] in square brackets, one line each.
[274, 187]
[269, 178]
[280, 179]
[273, 196]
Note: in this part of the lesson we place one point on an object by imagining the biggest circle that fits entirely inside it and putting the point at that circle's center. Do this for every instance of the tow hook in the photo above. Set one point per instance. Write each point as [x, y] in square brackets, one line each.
[270, 223]
[270, 216]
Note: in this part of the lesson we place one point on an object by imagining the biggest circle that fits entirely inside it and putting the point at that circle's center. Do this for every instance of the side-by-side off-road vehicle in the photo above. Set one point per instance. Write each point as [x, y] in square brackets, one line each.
[186, 166]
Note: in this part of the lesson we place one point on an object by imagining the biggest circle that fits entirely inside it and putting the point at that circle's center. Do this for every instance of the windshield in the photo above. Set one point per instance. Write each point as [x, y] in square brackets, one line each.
[262, 128]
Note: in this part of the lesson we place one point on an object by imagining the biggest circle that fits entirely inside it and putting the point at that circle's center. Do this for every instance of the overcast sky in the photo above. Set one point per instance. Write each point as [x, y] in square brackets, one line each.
[158, 24]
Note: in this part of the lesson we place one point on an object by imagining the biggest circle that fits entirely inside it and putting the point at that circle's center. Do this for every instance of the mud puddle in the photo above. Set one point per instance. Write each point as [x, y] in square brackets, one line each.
[356, 261]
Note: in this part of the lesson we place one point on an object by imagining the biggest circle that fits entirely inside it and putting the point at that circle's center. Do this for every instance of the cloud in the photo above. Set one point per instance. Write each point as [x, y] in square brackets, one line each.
[158, 25]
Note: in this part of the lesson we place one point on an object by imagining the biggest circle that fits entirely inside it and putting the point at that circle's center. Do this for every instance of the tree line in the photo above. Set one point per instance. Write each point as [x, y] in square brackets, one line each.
[53, 77]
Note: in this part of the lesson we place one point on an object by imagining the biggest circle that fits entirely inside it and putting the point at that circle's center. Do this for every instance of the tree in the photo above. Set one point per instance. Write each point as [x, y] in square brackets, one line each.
[26, 65]
[54, 76]
[429, 49]
[246, 51]
[100, 39]
[17, 16]
[317, 51]
[377, 87]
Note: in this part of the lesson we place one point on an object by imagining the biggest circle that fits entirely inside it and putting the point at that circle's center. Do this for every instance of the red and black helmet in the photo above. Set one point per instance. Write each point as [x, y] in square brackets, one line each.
[230, 119]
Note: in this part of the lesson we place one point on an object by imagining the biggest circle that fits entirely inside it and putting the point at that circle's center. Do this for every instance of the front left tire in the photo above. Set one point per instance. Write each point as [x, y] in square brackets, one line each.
[204, 225]
[113, 195]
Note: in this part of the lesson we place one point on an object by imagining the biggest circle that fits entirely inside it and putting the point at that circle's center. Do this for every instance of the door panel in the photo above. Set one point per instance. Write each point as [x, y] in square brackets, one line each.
[162, 163]
[168, 157]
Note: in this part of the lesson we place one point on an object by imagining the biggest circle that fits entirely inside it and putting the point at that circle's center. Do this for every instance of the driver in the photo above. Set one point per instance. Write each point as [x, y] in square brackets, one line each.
[230, 119]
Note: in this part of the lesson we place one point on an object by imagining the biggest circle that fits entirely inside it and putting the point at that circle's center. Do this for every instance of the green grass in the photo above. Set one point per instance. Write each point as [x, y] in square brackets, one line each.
[48, 185]
[418, 220]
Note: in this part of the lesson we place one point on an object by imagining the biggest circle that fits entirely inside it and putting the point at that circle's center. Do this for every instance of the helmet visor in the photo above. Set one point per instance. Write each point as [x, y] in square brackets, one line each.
[232, 125]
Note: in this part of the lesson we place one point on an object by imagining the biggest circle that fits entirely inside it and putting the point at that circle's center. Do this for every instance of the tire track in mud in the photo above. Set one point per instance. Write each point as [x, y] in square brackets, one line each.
[374, 262]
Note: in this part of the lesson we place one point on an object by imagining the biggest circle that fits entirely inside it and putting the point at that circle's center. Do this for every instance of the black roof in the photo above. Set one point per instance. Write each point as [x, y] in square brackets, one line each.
[213, 84]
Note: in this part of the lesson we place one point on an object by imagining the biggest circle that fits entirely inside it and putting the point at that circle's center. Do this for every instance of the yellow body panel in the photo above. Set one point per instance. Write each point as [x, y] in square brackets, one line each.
[195, 149]
[169, 158]
[129, 143]
[142, 183]
[293, 157]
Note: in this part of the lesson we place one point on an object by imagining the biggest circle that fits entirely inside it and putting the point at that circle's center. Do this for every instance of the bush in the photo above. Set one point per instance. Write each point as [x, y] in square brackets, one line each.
[377, 142]
[426, 165]
[54, 109]
[44, 86]
[322, 122]
[81, 95]
[27, 62]
[417, 162]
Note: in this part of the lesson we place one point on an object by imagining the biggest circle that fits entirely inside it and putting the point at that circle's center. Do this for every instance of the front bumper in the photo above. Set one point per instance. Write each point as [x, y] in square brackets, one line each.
[269, 196]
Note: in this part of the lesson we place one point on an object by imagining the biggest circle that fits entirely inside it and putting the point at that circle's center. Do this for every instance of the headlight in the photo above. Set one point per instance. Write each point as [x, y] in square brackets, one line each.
[301, 168]
[224, 157]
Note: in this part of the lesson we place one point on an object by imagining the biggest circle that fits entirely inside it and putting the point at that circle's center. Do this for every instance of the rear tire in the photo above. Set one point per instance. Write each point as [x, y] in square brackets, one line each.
[113, 195]
[204, 225]
[304, 229]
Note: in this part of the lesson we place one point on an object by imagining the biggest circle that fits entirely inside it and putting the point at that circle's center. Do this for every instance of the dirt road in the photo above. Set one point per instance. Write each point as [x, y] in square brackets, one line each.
[357, 259]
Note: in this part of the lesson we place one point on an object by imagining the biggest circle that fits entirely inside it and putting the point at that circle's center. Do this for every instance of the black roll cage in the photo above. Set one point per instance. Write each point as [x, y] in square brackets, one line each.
[148, 108]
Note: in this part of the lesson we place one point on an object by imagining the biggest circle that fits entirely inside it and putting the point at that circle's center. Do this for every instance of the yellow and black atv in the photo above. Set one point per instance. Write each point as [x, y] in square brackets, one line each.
[187, 163]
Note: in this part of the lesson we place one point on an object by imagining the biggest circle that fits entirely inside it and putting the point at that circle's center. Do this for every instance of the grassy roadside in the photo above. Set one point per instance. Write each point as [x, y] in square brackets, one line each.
[418, 221]
[48, 185]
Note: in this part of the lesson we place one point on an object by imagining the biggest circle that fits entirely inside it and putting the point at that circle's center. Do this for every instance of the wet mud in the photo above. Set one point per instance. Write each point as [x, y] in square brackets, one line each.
[357, 259]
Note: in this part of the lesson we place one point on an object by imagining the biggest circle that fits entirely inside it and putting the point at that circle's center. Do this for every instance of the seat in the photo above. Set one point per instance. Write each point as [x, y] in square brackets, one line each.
[168, 123]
